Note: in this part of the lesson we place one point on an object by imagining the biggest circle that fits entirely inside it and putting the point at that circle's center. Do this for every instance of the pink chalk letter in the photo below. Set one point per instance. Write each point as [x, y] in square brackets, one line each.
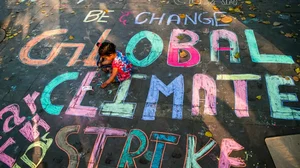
[103, 134]
[31, 132]
[75, 108]
[201, 81]
[30, 101]
[227, 146]
[175, 46]
[241, 98]
[9, 161]
[15, 109]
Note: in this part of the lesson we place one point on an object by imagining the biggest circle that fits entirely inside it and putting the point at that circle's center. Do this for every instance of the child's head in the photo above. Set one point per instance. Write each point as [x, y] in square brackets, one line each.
[107, 50]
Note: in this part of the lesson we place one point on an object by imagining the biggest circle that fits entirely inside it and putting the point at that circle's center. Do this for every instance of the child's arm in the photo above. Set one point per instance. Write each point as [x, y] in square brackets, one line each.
[111, 78]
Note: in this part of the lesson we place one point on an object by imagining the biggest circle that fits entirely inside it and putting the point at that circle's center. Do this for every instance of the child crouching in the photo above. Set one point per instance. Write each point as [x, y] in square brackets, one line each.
[113, 61]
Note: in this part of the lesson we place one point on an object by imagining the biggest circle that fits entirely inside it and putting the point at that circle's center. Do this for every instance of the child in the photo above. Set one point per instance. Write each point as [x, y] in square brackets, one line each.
[114, 62]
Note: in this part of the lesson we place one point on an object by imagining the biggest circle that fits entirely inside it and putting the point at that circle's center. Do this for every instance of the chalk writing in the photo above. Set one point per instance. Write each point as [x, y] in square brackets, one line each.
[9, 161]
[240, 94]
[124, 14]
[75, 108]
[161, 139]
[103, 134]
[201, 81]
[97, 15]
[44, 146]
[278, 110]
[45, 98]
[61, 140]
[15, 110]
[191, 155]
[231, 37]
[264, 58]
[30, 101]
[25, 51]
[156, 85]
[127, 157]
[156, 49]
[91, 60]
[197, 17]
[175, 46]
[120, 108]
[227, 146]
[31, 132]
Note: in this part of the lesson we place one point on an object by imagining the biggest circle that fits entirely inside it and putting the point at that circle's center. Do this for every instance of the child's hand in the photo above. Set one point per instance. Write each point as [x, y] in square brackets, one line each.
[104, 85]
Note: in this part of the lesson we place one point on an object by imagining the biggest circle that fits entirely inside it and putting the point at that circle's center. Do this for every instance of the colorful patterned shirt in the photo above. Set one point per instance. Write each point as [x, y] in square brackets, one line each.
[123, 65]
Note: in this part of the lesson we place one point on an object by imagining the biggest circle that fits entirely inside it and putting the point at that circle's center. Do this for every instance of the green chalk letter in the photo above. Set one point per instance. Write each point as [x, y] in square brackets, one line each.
[156, 49]
[127, 157]
[45, 98]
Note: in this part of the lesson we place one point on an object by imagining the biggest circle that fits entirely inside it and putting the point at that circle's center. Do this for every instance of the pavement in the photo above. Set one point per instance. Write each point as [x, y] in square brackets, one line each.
[237, 86]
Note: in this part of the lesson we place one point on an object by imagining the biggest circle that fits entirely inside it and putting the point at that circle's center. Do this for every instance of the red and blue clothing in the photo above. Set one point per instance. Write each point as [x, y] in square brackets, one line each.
[123, 65]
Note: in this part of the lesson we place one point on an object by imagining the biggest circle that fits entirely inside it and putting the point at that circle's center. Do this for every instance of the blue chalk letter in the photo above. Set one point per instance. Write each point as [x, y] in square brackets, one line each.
[176, 87]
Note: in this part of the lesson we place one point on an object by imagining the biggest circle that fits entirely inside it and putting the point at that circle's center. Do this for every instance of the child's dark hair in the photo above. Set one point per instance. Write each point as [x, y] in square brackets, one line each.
[106, 48]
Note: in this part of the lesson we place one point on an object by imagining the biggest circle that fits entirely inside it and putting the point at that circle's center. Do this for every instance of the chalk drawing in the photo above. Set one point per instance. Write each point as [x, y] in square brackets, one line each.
[231, 37]
[207, 21]
[241, 93]
[161, 139]
[138, 16]
[25, 51]
[278, 110]
[124, 14]
[191, 156]
[91, 60]
[175, 46]
[9, 161]
[44, 146]
[16, 166]
[61, 140]
[75, 108]
[194, 19]
[264, 58]
[157, 18]
[80, 1]
[127, 157]
[156, 86]
[156, 49]
[173, 18]
[227, 146]
[216, 18]
[201, 81]
[30, 101]
[15, 110]
[120, 108]
[45, 98]
[97, 15]
[31, 132]
[238, 77]
[103, 133]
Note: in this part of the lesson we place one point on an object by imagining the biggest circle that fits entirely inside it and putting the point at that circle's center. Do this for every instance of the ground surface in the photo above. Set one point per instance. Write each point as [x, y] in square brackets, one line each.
[61, 23]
